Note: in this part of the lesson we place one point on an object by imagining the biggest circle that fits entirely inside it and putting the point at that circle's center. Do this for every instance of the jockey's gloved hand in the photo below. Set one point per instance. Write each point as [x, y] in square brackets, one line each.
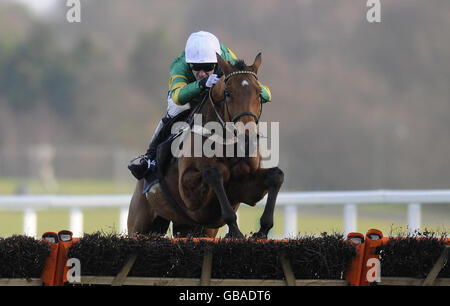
[208, 82]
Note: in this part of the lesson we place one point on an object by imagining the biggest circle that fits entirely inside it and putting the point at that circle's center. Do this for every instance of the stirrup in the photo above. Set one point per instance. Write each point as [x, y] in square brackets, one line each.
[139, 170]
[152, 166]
[140, 157]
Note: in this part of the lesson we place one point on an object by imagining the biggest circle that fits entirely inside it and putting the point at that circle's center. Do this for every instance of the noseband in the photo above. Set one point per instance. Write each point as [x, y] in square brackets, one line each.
[241, 114]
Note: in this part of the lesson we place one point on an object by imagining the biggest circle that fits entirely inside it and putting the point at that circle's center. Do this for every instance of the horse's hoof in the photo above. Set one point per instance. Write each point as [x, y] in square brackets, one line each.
[237, 235]
[259, 235]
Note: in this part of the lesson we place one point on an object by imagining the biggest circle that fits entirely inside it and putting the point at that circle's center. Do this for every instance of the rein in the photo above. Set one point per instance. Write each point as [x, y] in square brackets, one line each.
[239, 115]
[203, 131]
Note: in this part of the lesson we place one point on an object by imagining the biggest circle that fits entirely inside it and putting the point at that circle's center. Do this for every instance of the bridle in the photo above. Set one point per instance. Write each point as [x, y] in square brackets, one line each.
[239, 115]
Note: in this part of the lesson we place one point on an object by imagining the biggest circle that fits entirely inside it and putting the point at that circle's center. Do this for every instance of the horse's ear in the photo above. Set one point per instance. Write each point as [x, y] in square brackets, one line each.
[224, 65]
[256, 63]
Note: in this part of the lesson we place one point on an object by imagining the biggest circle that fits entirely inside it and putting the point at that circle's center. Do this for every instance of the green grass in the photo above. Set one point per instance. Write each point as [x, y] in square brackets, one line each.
[10, 223]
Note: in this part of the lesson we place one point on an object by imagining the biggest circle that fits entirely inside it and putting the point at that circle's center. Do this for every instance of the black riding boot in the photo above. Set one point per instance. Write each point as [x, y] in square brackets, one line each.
[147, 161]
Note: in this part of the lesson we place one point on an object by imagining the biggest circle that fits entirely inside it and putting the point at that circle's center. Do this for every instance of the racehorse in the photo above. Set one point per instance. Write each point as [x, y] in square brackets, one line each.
[202, 194]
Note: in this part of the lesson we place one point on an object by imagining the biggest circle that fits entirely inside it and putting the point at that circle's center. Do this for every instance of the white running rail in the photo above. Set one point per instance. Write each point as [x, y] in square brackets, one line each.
[30, 204]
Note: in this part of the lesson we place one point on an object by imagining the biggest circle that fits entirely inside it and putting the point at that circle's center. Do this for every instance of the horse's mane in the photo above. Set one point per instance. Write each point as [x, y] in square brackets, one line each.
[240, 65]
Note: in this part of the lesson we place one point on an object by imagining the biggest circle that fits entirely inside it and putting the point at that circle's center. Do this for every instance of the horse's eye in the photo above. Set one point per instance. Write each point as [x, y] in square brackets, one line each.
[227, 93]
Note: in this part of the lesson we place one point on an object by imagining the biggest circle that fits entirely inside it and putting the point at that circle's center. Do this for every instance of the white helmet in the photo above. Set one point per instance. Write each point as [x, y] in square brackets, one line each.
[201, 47]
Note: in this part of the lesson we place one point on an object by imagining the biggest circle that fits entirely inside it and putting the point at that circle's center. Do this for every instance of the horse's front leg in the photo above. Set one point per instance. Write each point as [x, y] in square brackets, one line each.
[252, 188]
[273, 180]
[214, 179]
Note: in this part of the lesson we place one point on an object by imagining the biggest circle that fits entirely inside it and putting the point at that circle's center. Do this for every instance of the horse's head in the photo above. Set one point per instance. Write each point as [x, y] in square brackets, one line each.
[239, 91]
[237, 98]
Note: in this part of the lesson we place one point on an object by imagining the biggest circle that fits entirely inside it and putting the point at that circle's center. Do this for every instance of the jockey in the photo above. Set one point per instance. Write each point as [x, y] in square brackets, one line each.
[191, 74]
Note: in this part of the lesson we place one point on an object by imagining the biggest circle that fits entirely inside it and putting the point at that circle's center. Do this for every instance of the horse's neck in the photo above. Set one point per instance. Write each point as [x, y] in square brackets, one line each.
[210, 115]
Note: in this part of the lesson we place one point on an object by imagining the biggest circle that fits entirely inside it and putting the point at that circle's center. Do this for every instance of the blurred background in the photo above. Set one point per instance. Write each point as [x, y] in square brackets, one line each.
[361, 105]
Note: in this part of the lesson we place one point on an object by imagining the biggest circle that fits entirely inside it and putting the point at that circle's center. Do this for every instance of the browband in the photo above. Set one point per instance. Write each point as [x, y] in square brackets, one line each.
[240, 72]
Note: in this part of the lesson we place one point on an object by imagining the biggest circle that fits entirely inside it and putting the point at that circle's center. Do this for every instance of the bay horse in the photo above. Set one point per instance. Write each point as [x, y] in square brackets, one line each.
[208, 190]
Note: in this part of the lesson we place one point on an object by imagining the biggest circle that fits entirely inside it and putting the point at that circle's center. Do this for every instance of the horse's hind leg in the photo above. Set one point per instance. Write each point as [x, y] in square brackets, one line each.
[187, 230]
[214, 179]
[159, 226]
[142, 218]
[210, 232]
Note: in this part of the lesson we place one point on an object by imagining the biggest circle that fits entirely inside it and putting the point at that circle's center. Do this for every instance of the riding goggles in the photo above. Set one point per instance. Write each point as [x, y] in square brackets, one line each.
[205, 67]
